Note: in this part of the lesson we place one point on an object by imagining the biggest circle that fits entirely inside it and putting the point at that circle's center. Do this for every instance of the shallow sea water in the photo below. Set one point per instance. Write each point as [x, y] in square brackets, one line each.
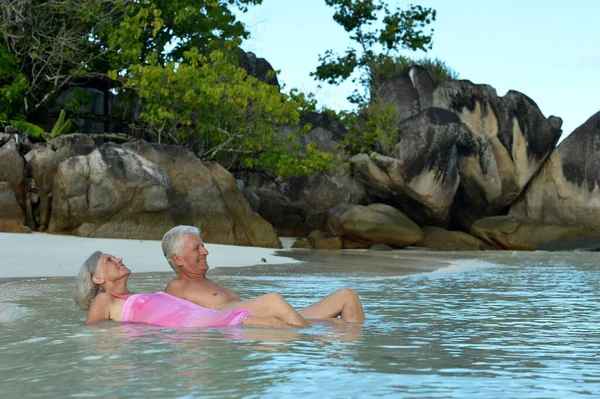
[487, 325]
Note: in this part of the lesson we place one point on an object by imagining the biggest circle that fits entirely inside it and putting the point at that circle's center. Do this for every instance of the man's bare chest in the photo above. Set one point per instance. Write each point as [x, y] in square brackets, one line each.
[211, 294]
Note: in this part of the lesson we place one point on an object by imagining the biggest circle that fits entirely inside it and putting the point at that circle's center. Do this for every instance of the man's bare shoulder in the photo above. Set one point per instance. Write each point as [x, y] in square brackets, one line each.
[176, 285]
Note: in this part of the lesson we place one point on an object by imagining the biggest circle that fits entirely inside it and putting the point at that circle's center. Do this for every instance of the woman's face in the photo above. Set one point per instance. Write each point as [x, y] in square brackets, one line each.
[111, 268]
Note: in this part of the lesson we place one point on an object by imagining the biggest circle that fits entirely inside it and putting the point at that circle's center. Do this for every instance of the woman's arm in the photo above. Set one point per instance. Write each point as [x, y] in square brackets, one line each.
[99, 309]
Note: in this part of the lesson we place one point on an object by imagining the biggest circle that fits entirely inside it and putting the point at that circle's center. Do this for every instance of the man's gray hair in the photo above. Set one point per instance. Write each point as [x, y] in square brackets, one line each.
[85, 288]
[174, 240]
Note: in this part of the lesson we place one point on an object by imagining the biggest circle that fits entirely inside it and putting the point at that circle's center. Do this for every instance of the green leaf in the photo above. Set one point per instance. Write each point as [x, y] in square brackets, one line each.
[32, 129]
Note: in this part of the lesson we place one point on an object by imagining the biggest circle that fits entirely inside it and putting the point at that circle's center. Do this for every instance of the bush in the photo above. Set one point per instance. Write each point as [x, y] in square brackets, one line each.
[216, 109]
[373, 129]
[384, 67]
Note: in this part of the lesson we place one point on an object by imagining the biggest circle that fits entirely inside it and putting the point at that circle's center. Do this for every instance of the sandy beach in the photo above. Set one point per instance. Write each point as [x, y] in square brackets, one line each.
[46, 255]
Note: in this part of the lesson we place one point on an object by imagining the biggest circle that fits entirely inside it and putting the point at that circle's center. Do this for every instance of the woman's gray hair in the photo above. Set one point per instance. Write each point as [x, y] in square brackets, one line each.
[85, 288]
[174, 240]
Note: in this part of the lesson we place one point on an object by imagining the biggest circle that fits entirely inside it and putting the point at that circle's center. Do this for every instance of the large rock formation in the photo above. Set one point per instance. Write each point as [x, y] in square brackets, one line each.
[11, 215]
[511, 140]
[42, 162]
[12, 171]
[112, 192]
[422, 177]
[248, 227]
[320, 240]
[296, 206]
[207, 197]
[440, 239]
[373, 224]
[96, 108]
[410, 92]
[258, 67]
[567, 189]
[507, 232]
[464, 153]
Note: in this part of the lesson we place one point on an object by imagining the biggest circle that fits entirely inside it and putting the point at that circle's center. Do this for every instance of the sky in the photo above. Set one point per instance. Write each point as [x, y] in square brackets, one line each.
[547, 50]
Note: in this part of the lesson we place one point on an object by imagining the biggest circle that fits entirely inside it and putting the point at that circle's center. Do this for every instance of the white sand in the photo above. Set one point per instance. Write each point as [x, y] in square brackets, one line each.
[46, 255]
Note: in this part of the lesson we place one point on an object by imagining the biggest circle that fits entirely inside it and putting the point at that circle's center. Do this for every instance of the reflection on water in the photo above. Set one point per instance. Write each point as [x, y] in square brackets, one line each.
[500, 325]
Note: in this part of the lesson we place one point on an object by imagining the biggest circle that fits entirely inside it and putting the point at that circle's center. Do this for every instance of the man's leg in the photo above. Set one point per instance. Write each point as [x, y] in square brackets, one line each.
[270, 305]
[344, 303]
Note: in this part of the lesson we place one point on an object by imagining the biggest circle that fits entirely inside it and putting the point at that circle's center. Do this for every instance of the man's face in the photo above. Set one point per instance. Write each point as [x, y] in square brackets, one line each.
[193, 255]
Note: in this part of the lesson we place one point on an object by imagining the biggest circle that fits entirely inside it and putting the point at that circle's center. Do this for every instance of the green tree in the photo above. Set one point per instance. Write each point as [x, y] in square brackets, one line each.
[13, 85]
[50, 44]
[374, 129]
[167, 29]
[213, 107]
[377, 39]
[178, 56]
[53, 44]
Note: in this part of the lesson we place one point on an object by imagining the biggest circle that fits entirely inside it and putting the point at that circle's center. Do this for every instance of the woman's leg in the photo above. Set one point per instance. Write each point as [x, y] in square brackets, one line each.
[326, 320]
[344, 303]
[270, 305]
[274, 322]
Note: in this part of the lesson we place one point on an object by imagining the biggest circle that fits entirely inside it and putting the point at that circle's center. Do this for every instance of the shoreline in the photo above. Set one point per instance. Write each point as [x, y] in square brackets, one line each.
[49, 255]
[39, 255]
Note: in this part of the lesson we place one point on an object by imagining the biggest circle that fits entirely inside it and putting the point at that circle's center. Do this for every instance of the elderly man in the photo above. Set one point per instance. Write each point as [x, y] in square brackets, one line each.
[185, 252]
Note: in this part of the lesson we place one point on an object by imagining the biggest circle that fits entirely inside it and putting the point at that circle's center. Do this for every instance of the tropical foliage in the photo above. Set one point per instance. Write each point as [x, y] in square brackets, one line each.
[379, 35]
[386, 67]
[222, 113]
[382, 37]
[374, 129]
[178, 57]
[176, 63]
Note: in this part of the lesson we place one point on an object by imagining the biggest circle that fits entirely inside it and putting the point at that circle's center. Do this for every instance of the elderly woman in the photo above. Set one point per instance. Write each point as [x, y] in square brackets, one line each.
[101, 288]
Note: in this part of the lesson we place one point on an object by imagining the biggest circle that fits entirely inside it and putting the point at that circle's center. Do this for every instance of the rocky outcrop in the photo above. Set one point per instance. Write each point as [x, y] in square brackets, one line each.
[297, 206]
[111, 192]
[248, 227]
[410, 92]
[422, 177]
[301, 243]
[506, 232]
[374, 224]
[42, 162]
[137, 192]
[96, 107]
[12, 171]
[11, 215]
[258, 67]
[207, 197]
[567, 189]
[320, 240]
[439, 239]
[510, 141]
[464, 153]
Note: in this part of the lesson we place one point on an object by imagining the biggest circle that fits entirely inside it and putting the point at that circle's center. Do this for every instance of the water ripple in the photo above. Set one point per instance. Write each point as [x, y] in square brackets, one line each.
[510, 325]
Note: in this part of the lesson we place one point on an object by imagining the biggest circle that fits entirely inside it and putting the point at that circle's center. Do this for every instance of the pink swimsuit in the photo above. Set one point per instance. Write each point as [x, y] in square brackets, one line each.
[164, 310]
